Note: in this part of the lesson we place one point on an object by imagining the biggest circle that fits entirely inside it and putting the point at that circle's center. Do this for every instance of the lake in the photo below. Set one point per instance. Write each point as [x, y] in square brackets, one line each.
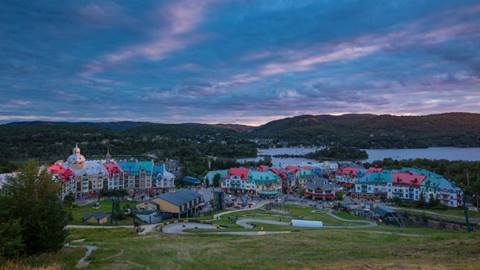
[449, 153]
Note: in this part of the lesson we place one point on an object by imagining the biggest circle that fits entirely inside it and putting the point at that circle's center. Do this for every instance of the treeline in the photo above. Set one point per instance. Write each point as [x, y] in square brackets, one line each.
[338, 153]
[50, 142]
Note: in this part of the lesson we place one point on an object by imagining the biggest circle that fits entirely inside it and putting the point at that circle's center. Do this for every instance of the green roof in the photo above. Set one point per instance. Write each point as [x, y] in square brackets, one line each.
[258, 176]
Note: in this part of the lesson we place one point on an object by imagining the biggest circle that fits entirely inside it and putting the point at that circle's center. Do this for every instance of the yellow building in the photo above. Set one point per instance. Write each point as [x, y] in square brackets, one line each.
[182, 202]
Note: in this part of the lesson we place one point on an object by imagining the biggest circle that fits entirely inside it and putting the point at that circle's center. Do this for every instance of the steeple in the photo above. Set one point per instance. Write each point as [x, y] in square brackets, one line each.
[108, 157]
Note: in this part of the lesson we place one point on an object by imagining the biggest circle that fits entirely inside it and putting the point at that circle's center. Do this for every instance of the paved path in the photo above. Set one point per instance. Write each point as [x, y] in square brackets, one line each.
[366, 224]
[257, 206]
[247, 222]
[177, 228]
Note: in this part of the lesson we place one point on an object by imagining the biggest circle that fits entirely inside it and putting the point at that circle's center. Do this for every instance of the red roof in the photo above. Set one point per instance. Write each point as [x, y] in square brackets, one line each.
[374, 169]
[240, 172]
[112, 168]
[262, 168]
[279, 173]
[347, 171]
[407, 178]
[293, 169]
[308, 168]
[60, 171]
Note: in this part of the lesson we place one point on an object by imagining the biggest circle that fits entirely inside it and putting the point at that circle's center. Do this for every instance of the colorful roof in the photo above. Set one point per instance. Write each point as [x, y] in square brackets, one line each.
[112, 168]
[262, 176]
[134, 167]
[348, 171]
[61, 172]
[383, 177]
[374, 169]
[407, 178]
[279, 173]
[240, 172]
[292, 169]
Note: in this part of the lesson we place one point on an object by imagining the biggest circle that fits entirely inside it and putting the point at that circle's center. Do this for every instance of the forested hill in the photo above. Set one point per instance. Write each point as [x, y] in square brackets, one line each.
[50, 140]
[376, 131]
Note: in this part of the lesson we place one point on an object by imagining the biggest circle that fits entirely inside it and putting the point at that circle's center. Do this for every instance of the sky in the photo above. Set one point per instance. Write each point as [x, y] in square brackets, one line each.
[236, 61]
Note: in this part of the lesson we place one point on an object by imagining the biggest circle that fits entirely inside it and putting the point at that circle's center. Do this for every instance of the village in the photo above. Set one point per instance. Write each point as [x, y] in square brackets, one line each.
[150, 194]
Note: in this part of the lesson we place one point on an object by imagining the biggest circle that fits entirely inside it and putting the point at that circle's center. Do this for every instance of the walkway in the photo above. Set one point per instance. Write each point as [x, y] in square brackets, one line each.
[247, 223]
[257, 206]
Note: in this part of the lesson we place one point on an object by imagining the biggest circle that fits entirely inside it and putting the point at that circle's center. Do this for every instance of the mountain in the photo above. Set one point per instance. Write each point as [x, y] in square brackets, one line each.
[376, 131]
[358, 130]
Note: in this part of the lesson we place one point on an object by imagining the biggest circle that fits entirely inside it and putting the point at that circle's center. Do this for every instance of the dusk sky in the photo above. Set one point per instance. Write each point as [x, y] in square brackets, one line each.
[245, 62]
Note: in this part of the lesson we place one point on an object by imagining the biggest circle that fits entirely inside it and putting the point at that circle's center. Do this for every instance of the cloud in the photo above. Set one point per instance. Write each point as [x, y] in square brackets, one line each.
[175, 21]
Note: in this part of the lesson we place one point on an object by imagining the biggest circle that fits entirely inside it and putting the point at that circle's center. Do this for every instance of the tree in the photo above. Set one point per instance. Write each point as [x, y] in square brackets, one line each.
[32, 217]
[475, 190]
[216, 180]
[339, 195]
[421, 201]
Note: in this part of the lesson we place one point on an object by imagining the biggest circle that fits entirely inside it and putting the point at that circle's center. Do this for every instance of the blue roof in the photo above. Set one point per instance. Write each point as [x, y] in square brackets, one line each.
[191, 180]
[158, 168]
[179, 197]
[134, 167]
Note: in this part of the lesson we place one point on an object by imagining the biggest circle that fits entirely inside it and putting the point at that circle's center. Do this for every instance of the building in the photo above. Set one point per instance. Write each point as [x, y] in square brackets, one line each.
[97, 218]
[374, 185]
[263, 182]
[211, 174]
[182, 202]
[437, 187]
[320, 189]
[406, 185]
[348, 176]
[86, 178]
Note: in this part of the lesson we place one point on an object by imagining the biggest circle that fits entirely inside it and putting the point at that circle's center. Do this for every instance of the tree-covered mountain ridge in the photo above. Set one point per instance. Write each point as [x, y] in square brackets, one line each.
[357, 130]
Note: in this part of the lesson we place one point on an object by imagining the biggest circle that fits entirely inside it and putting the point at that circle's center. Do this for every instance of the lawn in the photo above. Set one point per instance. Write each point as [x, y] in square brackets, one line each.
[78, 212]
[334, 249]
[382, 247]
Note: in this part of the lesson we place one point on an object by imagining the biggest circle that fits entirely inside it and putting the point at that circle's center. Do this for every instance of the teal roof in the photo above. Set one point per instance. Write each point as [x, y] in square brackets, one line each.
[134, 167]
[433, 180]
[222, 173]
[383, 177]
[268, 192]
[304, 172]
[262, 176]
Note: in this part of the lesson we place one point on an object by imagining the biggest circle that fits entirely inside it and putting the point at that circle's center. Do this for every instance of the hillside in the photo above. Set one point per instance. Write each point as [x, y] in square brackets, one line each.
[51, 140]
[376, 131]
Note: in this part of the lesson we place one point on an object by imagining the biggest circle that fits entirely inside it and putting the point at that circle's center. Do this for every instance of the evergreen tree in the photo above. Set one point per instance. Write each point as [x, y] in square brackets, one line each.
[216, 180]
[32, 217]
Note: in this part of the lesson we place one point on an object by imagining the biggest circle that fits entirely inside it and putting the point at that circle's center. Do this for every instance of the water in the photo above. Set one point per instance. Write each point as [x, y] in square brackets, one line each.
[449, 153]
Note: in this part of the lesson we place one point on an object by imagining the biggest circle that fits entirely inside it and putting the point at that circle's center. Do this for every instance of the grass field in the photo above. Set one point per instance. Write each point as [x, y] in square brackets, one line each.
[78, 212]
[319, 249]
[382, 247]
